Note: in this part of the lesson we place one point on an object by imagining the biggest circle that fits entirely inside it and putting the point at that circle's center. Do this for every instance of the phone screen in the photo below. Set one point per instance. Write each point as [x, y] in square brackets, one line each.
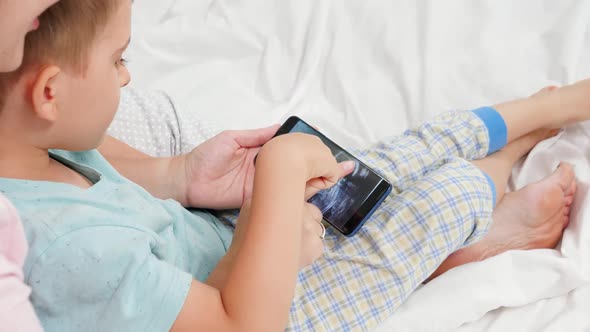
[349, 203]
[343, 200]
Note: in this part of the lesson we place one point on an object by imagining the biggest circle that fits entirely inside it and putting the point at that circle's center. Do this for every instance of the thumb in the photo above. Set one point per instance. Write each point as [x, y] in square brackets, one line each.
[254, 137]
[316, 185]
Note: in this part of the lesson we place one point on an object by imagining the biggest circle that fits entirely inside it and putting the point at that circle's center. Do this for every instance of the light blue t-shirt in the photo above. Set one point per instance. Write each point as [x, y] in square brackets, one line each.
[111, 257]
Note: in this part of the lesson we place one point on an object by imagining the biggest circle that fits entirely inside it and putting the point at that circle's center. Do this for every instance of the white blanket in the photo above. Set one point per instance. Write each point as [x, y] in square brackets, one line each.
[362, 70]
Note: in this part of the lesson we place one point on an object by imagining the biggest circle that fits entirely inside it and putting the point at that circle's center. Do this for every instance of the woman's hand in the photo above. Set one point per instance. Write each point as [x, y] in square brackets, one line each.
[219, 173]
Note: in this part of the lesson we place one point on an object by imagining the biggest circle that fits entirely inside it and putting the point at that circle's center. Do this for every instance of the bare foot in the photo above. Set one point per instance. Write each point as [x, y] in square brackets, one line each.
[533, 217]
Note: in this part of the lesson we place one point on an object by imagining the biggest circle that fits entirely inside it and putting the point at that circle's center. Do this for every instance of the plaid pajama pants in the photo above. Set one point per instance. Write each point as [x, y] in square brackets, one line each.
[440, 203]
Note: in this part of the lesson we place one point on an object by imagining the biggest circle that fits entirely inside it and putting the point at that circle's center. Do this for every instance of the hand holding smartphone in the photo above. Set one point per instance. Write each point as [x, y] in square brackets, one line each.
[348, 204]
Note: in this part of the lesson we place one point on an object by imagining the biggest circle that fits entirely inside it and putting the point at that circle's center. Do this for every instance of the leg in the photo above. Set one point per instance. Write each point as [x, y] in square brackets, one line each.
[473, 135]
[498, 166]
[361, 280]
[407, 158]
[555, 109]
[531, 218]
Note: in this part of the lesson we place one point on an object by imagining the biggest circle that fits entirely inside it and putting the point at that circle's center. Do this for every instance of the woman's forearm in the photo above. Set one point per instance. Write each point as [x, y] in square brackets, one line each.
[151, 173]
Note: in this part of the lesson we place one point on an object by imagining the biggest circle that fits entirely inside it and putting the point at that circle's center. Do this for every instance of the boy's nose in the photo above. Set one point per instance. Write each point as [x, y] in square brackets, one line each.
[124, 77]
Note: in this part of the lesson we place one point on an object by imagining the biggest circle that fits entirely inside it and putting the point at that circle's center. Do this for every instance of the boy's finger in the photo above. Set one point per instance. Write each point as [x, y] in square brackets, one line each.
[316, 185]
[347, 167]
[313, 187]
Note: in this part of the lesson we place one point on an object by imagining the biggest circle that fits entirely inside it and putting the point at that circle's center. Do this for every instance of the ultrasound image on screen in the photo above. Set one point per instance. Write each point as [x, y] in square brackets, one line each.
[339, 203]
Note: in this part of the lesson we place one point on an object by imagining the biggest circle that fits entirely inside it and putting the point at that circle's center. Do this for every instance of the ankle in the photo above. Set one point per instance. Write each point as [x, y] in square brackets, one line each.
[487, 248]
[474, 253]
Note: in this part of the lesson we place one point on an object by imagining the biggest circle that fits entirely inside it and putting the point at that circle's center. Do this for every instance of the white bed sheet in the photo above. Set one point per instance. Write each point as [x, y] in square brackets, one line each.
[362, 70]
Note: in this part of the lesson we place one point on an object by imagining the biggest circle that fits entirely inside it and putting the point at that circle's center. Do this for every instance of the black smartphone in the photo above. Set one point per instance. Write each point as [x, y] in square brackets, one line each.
[348, 204]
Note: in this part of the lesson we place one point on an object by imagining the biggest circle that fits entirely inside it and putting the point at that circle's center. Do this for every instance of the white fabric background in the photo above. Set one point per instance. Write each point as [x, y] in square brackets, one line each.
[362, 70]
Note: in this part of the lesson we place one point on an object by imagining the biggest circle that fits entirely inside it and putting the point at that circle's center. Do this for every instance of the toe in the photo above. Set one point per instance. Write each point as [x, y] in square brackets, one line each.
[566, 175]
[550, 201]
[571, 190]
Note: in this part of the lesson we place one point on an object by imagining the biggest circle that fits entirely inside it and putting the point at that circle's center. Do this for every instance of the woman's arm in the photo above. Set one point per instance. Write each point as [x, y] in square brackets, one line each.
[217, 174]
[156, 175]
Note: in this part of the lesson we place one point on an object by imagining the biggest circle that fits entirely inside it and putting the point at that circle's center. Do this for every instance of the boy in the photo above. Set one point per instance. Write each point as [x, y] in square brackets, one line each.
[107, 256]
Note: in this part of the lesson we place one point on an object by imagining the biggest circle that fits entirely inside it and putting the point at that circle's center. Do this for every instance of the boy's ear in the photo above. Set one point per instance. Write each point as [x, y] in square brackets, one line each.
[44, 93]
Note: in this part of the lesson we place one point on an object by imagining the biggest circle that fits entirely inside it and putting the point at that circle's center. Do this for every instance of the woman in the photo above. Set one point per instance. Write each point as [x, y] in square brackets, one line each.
[17, 18]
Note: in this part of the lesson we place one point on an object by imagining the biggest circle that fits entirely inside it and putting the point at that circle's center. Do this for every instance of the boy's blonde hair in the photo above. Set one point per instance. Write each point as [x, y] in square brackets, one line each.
[67, 31]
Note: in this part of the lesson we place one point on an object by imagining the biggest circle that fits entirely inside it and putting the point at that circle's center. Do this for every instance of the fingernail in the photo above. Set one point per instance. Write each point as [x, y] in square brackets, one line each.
[348, 165]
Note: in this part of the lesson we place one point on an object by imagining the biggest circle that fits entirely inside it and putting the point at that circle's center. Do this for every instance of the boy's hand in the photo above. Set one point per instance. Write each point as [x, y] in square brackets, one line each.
[312, 246]
[307, 152]
[219, 173]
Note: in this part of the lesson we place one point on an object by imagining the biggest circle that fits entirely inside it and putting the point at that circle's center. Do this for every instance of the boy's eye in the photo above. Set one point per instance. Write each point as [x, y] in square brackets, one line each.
[122, 62]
